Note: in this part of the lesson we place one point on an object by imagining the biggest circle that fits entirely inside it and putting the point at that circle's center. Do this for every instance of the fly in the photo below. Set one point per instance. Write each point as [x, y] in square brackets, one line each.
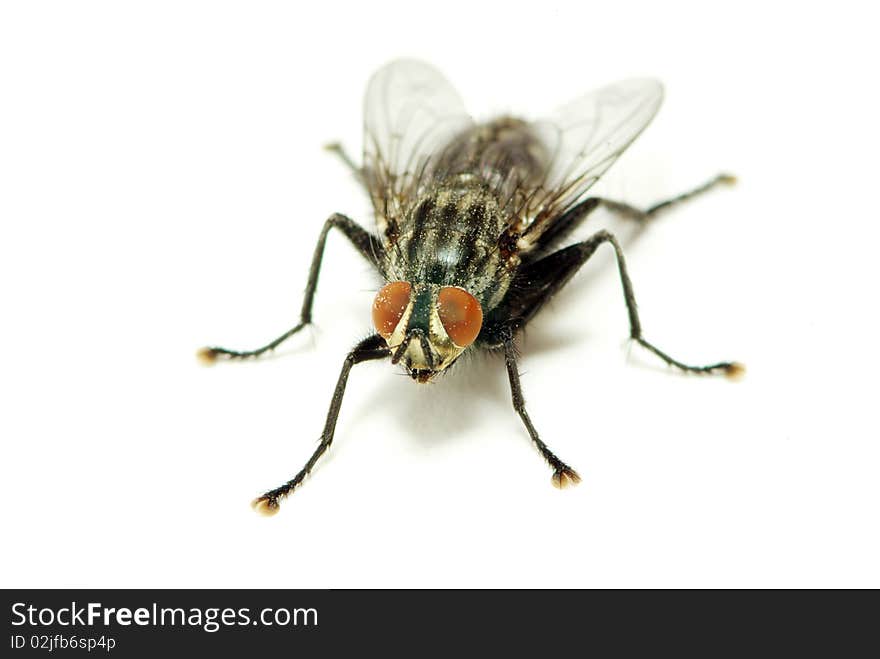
[469, 217]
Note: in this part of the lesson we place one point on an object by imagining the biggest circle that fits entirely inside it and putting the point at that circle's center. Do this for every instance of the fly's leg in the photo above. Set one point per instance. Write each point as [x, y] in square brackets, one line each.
[563, 475]
[557, 229]
[342, 154]
[367, 244]
[578, 254]
[373, 347]
[631, 212]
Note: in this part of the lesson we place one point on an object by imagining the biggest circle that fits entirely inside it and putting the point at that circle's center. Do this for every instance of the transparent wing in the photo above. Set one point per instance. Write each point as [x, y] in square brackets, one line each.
[583, 139]
[410, 113]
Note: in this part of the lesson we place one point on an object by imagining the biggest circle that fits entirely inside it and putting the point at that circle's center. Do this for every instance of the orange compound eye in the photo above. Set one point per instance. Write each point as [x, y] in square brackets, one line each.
[388, 307]
[461, 315]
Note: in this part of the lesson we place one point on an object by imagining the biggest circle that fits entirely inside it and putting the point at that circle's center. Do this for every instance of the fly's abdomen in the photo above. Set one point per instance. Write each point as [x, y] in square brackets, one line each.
[504, 155]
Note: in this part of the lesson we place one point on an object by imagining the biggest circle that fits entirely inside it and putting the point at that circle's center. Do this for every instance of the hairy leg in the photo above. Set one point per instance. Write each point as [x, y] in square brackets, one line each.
[373, 347]
[558, 228]
[368, 245]
[563, 475]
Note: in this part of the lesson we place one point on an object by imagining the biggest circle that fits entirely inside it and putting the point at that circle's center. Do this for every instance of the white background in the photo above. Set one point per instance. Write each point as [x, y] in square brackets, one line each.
[162, 184]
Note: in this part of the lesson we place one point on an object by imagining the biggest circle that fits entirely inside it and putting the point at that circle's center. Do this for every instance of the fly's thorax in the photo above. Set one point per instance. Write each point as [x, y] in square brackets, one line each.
[427, 326]
[450, 237]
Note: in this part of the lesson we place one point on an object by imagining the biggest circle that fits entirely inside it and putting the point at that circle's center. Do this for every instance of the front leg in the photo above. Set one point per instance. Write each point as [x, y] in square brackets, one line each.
[373, 347]
[367, 244]
[563, 475]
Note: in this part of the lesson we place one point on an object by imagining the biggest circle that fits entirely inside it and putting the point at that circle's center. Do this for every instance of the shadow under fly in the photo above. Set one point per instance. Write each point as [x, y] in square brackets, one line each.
[469, 217]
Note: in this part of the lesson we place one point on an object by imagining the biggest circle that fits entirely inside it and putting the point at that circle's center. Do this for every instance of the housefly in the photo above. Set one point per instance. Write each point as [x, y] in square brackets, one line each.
[469, 217]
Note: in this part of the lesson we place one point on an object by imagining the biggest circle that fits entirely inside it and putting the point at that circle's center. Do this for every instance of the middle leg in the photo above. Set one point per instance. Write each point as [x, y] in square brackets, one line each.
[538, 282]
[367, 244]
[560, 266]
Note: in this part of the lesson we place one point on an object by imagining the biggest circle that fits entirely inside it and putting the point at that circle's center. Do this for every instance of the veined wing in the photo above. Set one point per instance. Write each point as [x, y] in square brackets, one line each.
[410, 113]
[584, 138]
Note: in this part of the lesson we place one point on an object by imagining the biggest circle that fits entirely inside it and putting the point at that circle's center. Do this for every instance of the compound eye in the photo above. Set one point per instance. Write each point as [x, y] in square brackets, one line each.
[388, 307]
[461, 315]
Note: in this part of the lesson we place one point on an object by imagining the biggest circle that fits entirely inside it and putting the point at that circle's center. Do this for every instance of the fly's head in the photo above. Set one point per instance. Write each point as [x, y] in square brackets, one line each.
[426, 326]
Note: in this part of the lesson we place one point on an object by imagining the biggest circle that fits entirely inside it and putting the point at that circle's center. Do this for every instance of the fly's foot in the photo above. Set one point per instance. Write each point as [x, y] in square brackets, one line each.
[735, 370]
[564, 476]
[265, 505]
[211, 355]
[730, 370]
[207, 356]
